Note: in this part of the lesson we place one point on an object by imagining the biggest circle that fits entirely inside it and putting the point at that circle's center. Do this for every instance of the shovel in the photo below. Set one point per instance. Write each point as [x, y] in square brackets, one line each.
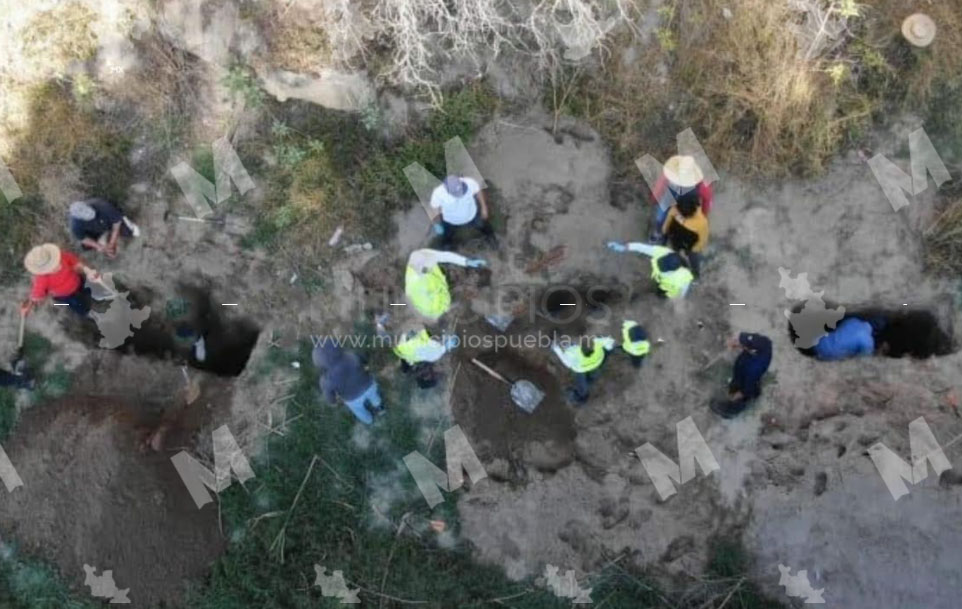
[523, 393]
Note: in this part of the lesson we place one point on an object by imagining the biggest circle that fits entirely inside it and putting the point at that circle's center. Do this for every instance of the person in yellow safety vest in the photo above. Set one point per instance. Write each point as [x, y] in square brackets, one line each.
[584, 359]
[668, 269]
[634, 340]
[425, 285]
[418, 351]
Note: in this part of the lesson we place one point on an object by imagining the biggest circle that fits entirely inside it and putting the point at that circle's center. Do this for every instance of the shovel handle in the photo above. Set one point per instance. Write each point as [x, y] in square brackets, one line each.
[490, 371]
[23, 323]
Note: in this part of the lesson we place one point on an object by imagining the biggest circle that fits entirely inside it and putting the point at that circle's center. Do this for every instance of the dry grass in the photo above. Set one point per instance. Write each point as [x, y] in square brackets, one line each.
[943, 242]
[766, 89]
[766, 99]
[297, 45]
[60, 36]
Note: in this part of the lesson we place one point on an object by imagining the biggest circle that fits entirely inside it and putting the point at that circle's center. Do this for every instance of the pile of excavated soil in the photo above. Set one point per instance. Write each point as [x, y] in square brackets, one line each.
[91, 497]
[497, 428]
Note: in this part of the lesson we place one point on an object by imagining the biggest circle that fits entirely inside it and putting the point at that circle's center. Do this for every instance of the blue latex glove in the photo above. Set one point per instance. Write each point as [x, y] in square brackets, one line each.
[476, 263]
[617, 247]
[438, 229]
[451, 342]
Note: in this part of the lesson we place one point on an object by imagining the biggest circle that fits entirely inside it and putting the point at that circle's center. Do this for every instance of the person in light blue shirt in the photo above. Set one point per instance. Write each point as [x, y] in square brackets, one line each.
[851, 338]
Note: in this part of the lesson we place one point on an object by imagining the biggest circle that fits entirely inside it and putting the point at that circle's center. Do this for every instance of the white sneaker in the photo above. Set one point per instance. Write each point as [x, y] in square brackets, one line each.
[134, 229]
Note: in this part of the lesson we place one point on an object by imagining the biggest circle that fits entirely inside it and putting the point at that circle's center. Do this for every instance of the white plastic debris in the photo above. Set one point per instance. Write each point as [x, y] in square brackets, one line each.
[295, 364]
[336, 236]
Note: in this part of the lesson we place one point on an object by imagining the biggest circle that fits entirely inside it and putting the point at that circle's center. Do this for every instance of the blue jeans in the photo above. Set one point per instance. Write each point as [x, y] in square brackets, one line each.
[79, 301]
[583, 381]
[359, 404]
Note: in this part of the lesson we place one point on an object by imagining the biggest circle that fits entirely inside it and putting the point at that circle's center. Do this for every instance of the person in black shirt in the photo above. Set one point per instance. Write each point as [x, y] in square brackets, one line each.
[98, 225]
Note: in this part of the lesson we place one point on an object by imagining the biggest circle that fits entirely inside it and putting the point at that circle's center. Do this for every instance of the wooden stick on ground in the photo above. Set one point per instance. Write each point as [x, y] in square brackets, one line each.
[279, 540]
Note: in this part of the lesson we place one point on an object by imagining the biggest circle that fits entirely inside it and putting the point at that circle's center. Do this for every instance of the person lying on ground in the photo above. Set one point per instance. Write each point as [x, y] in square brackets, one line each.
[425, 285]
[746, 382]
[98, 225]
[343, 375]
[668, 270]
[687, 230]
[462, 204]
[680, 175]
[634, 340]
[584, 359]
[61, 275]
[852, 337]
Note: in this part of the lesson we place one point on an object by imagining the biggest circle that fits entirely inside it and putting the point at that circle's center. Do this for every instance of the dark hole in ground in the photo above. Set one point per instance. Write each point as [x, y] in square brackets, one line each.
[913, 332]
[172, 329]
[497, 428]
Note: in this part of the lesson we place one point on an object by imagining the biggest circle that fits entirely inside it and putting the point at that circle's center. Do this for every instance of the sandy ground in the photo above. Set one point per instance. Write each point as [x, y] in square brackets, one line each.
[794, 473]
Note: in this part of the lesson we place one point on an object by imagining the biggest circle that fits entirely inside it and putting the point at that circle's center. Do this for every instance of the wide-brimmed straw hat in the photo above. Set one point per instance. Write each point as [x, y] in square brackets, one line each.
[919, 29]
[42, 259]
[683, 171]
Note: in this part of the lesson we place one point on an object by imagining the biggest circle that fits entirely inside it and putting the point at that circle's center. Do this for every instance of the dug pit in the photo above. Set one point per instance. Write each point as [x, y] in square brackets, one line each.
[913, 332]
[498, 428]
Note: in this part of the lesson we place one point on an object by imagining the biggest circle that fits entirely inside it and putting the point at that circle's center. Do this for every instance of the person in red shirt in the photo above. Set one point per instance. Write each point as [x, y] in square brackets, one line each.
[60, 275]
[681, 174]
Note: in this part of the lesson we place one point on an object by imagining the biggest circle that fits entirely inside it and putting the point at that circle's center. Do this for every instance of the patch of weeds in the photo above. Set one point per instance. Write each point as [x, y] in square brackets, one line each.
[943, 242]
[61, 35]
[29, 584]
[332, 171]
[59, 136]
[242, 85]
[730, 564]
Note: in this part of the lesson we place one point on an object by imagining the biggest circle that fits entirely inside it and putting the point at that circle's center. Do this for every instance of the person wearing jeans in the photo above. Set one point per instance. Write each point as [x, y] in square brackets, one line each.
[60, 275]
[344, 376]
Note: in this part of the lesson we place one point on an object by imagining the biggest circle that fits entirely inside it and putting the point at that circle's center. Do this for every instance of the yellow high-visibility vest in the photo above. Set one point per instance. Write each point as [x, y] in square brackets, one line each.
[577, 361]
[671, 283]
[428, 292]
[639, 348]
[409, 349]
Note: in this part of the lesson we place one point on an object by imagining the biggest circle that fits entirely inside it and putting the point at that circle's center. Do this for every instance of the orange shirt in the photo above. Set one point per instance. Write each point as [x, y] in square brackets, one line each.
[59, 284]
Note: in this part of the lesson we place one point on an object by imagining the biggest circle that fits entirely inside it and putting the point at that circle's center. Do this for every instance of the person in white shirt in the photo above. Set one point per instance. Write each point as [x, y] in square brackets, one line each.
[460, 203]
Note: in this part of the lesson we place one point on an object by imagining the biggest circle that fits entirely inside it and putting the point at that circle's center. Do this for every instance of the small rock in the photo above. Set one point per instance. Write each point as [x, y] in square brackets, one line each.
[821, 483]
[727, 13]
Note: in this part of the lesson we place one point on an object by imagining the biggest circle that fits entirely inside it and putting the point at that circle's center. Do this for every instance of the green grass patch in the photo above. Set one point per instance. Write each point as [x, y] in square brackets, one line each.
[332, 169]
[29, 584]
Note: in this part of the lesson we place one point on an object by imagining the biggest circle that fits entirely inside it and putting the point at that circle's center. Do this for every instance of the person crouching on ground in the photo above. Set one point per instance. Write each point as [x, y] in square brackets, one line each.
[462, 204]
[58, 274]
[98, 225]
[634, 340]
[668, 269]
[584, 359]
[687, 230]
[343, 375]
[746, 382]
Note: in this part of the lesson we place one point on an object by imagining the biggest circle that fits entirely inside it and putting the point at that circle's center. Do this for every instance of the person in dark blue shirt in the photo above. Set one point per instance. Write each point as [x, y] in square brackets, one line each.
[98, 225]
[750, 366]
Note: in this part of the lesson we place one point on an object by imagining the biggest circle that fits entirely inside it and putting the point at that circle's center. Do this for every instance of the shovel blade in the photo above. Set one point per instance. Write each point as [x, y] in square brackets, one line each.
[526, 395]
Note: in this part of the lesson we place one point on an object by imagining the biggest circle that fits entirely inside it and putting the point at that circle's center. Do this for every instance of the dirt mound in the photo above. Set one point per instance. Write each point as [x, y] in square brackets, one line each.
[498, 428]
[90, 497]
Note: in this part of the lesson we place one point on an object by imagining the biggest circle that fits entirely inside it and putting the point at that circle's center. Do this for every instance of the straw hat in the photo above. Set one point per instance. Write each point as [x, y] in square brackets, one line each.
[683, 171]
[919, 29]
[43, 259]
